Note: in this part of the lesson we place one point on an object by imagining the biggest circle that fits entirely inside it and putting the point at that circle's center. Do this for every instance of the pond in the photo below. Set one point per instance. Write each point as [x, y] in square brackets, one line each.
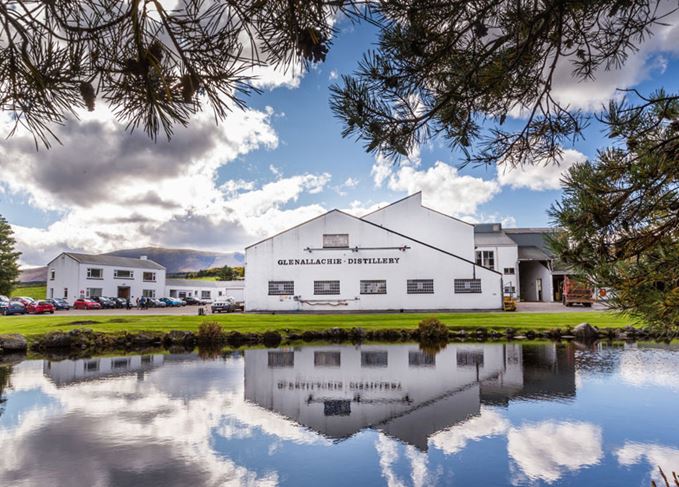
[469, 414]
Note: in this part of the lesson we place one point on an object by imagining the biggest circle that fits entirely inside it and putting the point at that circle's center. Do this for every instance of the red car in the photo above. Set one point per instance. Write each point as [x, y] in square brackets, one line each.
[84, 303]
[40, 307]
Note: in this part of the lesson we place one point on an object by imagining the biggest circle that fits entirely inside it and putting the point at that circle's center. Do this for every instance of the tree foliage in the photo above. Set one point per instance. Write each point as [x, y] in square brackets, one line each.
[9, 259]
[153, 65]
[457, 70]
[621, 211]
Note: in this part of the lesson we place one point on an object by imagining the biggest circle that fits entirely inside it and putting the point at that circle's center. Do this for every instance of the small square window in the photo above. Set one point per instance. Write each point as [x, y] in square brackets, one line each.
[509, 271]
[373, 287]
[335, 240]
[95, 273]
[467, 286]
[326, 288]
[280, 288]
[420, 286]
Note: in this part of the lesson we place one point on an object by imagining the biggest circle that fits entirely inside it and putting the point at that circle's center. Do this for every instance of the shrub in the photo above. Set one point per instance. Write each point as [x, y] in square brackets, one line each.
[432, 330]
[210, 332]
[272, 339]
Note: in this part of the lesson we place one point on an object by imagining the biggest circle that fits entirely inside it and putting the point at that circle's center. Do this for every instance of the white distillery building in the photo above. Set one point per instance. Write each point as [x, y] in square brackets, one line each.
[71, 276]
[199, 289]
[404, 256]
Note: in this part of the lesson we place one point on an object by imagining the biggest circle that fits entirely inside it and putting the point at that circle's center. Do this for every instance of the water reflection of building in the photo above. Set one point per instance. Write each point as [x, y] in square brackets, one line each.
[400, 390]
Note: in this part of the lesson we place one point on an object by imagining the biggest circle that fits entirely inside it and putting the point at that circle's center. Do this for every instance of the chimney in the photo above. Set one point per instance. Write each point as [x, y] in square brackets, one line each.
[144, 257]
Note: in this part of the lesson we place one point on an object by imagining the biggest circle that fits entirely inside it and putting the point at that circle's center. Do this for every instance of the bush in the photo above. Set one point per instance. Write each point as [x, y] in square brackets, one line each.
[432, 330]
[271, 339]
[210, 332]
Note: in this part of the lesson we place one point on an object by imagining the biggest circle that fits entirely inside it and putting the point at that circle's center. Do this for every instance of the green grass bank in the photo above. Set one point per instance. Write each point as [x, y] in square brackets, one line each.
[258, 323]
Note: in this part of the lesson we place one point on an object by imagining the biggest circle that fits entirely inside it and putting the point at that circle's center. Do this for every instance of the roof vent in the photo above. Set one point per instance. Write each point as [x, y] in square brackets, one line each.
[144, 257]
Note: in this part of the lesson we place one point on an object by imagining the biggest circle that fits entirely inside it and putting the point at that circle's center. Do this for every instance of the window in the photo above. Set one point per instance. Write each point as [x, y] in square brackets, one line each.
[335, 240]
[325, 288]
[336, 407]
[95, 273]
[281, 359]
[421, 359]
[149, 277]
[485, 258]
[220, 293]
[91, 365]
[509, 270]
[374, 359]
[468, 286]
[147, 359]
[51, 292]
[469, 358]
[373, 287]
[327, 359]
[65, 292]
[205, 295]
[94, 292]
[281, 288]
[120, 363]
[510, 289]
[420, 286]
[123, 274]
[148, 293]
[52, 274]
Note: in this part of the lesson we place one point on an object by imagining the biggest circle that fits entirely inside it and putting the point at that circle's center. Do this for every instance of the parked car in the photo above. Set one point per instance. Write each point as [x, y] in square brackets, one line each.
[105, 303]
[59, 303]
[191, 300]
[174, 302]
[157, 303]
[227, 306]
[12, 308]
[40, 307]
[3, 298]
[85, 303]
[25, 300]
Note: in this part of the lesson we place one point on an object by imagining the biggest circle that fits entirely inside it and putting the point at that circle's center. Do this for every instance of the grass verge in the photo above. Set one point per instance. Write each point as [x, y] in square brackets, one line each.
[248, 323]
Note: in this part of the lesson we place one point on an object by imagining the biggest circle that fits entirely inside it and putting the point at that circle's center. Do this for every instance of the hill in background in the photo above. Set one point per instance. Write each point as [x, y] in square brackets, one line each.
[174, 260]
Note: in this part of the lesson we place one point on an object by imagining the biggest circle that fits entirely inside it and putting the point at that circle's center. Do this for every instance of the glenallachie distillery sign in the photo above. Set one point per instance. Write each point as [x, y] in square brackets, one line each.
[350, 261]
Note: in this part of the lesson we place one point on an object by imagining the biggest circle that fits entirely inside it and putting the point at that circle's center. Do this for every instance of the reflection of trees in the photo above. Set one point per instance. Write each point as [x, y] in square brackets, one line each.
[5, 373]
[433, 347]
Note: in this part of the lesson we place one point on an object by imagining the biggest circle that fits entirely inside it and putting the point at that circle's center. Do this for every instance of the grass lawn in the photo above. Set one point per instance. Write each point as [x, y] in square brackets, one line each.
[36, 325]
[35, 292]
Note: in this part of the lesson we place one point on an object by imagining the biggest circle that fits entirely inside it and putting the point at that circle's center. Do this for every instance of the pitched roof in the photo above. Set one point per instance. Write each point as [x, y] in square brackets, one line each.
[494, 238]
[532, 253]
[115, 261]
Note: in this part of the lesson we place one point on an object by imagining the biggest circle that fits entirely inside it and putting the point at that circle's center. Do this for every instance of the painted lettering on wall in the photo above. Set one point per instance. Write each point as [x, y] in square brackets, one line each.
[350, 261]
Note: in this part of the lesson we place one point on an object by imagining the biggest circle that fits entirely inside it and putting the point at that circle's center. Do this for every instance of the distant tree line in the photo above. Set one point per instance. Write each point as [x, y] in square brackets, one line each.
[225, 273]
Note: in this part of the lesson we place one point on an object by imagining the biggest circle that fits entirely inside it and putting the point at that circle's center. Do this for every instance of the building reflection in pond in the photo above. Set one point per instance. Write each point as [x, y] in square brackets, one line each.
[400, 390]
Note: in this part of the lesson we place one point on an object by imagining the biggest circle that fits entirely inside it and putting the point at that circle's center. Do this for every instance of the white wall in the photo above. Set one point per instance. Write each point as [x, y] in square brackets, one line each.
[263, 264]
[235, 289]
[410, 218]
[531, 271]
[73, 275]
[506, 256]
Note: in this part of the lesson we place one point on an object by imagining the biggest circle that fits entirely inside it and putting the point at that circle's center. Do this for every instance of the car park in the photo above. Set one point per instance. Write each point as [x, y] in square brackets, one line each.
[227, 306]
[23, 300]
[12, 308]
[85, 303]
[59, 304]
[40, 307]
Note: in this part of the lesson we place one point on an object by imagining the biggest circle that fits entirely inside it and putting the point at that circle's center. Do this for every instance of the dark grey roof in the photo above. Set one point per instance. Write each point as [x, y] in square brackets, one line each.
[490, 239]
[487, 227]
[532, 253]
[197, 283]
[115, 261]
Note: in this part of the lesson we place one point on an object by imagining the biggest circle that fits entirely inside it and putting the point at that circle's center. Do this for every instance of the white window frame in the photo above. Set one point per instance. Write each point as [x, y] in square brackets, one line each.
[101, 273]
[486, 258]
[152, 274]
[206, 295]
[53, 274]
[88, 292]
[510, 271]
[116, 276]
[148, 293]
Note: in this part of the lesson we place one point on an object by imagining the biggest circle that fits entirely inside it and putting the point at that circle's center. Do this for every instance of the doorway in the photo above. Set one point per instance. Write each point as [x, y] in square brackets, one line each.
[124, 292]
[538, 287]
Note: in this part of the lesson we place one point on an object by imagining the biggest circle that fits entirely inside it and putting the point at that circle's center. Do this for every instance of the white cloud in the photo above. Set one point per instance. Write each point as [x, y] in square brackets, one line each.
[333, 75]
[115, 189]
[538, 176]
[443, 187]
[546, 450]
[648, 367]
[641, 65]
[657, 456]
[454, 439]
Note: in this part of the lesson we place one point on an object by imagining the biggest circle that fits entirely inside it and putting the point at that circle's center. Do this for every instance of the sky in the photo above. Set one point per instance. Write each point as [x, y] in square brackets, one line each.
[278, 163]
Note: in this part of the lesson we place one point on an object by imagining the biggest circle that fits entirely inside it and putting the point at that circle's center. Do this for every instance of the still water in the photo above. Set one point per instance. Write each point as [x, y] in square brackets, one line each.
[486, 414]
